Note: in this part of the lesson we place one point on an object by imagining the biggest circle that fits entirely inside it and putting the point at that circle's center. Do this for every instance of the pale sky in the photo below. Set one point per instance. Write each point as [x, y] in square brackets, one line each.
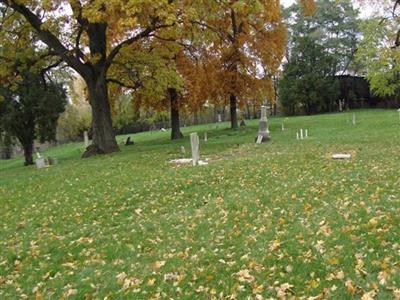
[365, 11]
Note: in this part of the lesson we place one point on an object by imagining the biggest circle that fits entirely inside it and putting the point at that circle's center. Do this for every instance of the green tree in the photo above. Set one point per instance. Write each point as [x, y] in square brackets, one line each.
[378, 53]
[307, 82]
[31, 110]
[320, 47]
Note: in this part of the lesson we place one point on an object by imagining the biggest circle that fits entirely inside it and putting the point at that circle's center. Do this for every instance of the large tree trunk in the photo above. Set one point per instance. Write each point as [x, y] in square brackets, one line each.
[175, 124]
[103, 133]
[233, 107]
[28, 153]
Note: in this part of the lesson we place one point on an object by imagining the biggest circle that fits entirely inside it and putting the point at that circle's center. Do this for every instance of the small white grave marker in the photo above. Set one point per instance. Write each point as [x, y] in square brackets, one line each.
[306, 133]
[219, 118]
[205, 137]
[354, 119]
[283, 127]
[341, 156]
[399, 113]
[297, 136]
[194, 142]
[301, 134]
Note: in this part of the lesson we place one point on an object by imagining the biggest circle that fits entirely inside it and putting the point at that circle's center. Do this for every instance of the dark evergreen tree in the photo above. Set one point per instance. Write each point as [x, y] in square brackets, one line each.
[320, 47]
[30, 111]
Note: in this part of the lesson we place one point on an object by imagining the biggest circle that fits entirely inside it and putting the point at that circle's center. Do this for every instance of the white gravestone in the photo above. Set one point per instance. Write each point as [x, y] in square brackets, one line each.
[205, 137]
[86, 138]
[42, 162]
[263, 132]
[306, 133]
[301, 134]
[194, 142]
[297, 136]
[341, 156]
[219, 118]
[354, 119]
[399, 113]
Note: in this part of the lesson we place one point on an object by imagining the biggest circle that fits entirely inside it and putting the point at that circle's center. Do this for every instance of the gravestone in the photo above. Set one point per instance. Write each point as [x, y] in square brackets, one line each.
[52, 161]
[242, 123]
[205, 137]
[341, 105]
[183, 151]
[86, 138]
[194, 142]
[41, 162]
[263, 132]
[301, 134]
[283, 127]
[129, 142]
[341, 156]
[306, 133]
[219, 118]
[354, 119]
[399, 113]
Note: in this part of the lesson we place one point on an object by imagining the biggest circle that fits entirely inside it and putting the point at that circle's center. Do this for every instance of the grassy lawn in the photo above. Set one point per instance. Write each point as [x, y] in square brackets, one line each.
[275, 220]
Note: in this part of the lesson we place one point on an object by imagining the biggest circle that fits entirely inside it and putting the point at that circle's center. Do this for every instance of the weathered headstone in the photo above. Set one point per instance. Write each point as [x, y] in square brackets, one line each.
[129, 142]
[219, 118]
[86, 138]
[183, 151]
[52, 161]
[301, 134]
[242, 123]
[283, 127]
[41, 163]
[354, 119]
[297, 136]
[341, 104]
[306, 133]
[205, 137]
[263, 132]
[194, 142]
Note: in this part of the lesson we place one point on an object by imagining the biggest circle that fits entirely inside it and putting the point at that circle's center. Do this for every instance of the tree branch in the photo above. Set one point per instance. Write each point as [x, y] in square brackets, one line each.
[145, 33]
[47, 37]
[120, 83]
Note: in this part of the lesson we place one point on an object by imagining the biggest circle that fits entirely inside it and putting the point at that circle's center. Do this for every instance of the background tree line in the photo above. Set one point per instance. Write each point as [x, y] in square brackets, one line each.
[150, 61]
[334, 42]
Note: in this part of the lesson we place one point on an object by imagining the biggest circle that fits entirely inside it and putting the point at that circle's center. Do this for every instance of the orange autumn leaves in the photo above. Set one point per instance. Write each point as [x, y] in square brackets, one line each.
[216, 50]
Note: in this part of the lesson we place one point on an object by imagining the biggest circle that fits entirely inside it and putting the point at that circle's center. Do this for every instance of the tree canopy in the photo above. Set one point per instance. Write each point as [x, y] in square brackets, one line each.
[378, 51]
[320, 47]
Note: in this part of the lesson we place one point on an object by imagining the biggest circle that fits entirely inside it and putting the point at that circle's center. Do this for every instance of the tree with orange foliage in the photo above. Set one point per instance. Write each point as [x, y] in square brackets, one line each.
[247, 40]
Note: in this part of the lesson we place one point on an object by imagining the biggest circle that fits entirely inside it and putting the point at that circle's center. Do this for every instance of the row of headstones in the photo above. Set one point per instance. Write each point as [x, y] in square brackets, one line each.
[262, 136]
